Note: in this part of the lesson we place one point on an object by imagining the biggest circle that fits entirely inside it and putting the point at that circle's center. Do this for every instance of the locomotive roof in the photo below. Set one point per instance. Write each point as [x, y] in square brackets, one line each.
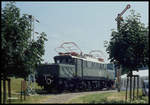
[83, 58]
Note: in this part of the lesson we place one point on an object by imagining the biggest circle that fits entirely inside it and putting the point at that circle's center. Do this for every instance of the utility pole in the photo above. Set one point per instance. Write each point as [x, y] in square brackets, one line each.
[32, 22]
[31, 77]
[119, 19]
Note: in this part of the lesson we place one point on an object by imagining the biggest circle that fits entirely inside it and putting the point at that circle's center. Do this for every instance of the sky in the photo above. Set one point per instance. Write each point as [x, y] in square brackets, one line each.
[88, 24]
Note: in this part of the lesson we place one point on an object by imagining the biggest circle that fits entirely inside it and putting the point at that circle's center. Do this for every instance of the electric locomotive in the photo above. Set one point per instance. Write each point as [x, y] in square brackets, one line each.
[72, 71]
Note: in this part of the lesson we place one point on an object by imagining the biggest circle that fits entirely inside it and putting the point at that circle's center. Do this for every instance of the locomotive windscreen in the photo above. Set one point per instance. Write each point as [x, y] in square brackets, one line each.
[64, 60]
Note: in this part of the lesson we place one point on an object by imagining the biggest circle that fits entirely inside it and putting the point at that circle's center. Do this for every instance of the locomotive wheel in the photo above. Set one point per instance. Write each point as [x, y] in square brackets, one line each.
[60, 88]
[71, 86]
[84, 85]
[46, 88]
[109, 85]
[93, 85]
[79, 86]
[89, 86]
[102, 84]
[66, 87]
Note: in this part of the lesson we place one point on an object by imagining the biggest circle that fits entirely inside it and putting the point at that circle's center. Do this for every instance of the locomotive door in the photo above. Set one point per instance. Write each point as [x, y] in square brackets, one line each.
[79, 71]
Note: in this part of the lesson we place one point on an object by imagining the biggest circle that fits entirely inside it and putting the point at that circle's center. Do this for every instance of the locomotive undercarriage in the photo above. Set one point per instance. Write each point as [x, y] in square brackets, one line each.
[78, 84]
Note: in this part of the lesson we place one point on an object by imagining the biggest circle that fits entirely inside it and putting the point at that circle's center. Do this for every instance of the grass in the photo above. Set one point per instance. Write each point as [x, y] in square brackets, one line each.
[109, 98]
[102, 98]
[15, 93]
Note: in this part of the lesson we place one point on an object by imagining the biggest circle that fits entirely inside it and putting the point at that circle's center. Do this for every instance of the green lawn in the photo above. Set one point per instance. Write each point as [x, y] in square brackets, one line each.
[109, 98]
[16, 89]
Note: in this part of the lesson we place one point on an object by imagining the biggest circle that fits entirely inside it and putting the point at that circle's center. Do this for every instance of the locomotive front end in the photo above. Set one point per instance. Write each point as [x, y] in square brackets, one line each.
[47, 75]
[56, 76]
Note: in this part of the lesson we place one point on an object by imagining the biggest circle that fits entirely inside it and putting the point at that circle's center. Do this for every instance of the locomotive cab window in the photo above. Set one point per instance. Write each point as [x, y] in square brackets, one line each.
[64, 60]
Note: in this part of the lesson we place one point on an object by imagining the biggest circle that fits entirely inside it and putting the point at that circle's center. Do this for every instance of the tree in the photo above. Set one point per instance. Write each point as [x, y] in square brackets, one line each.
[20, 53]
[129, 47]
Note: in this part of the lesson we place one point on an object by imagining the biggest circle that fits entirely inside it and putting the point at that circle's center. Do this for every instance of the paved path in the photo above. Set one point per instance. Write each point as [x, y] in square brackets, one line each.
[65, 97]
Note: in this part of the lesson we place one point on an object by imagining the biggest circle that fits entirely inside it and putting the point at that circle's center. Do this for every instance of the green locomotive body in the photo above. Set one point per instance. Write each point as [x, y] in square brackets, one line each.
[75, 73]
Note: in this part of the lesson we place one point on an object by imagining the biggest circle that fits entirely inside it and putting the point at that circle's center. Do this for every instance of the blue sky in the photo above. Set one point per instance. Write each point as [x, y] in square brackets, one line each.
[88, 24]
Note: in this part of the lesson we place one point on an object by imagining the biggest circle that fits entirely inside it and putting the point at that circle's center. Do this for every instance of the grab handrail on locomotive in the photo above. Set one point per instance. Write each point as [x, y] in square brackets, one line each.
[75, 71]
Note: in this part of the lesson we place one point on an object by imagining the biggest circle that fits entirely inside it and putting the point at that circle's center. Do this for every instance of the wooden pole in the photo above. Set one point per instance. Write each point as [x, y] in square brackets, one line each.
[137, 87]
[127, 87]
[118, 79]
[21, 91]
[4, 90]
[1, 89]
[130, 85]
[134, 88]
[9, 90]
[24, 89]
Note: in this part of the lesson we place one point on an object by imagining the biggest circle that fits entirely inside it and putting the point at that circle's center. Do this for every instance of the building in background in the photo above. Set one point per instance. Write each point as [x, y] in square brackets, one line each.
[143, 75]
